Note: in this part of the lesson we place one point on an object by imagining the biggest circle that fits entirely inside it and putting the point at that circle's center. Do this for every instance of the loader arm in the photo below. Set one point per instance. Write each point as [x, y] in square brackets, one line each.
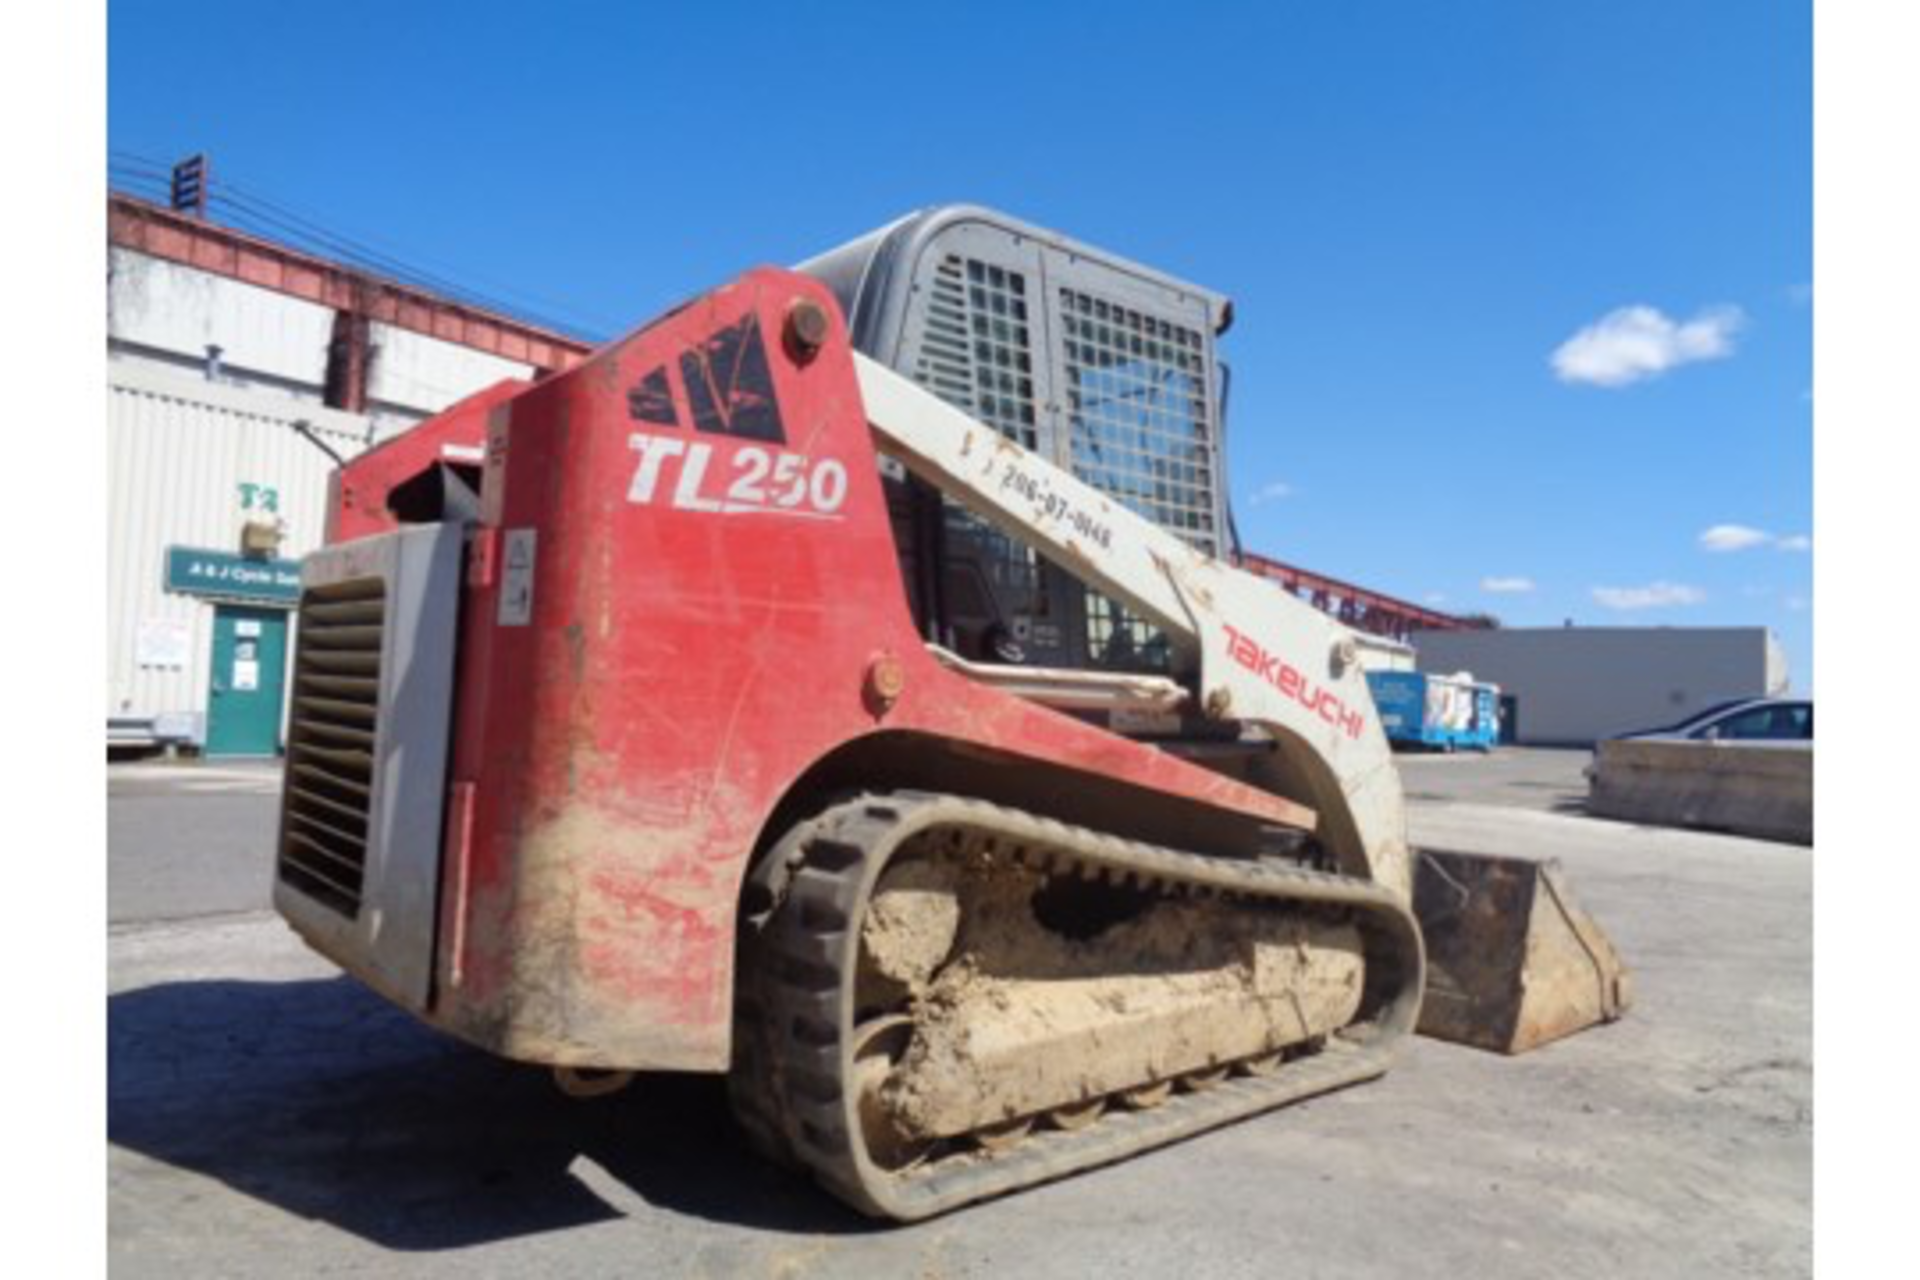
[1258, 656]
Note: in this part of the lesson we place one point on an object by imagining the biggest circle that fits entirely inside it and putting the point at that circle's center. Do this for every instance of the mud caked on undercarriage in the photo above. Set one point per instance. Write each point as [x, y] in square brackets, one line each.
[959, 998]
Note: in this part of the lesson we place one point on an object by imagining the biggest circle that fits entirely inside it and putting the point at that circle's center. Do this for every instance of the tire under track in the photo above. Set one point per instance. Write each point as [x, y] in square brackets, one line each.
[792, 1087]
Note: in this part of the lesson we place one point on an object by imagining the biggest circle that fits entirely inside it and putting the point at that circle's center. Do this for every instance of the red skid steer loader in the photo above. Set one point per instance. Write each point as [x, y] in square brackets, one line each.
[734, 702]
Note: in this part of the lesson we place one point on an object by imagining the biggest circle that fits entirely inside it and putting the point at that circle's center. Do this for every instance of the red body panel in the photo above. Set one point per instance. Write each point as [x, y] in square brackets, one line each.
[655, 649]
[457, 434]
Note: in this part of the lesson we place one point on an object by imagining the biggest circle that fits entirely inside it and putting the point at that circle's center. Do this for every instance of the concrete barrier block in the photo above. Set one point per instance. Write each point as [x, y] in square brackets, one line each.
[1752, 790]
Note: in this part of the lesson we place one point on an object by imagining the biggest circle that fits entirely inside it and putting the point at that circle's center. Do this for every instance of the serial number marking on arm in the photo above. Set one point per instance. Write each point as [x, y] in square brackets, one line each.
[1047, 503]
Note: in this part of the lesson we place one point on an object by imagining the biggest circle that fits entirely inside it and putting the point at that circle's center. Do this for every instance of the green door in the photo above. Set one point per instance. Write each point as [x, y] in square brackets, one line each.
[249, 681]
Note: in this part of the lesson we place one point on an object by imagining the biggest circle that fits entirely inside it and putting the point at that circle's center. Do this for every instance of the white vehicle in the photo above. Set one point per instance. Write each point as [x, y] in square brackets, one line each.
[1774, 722]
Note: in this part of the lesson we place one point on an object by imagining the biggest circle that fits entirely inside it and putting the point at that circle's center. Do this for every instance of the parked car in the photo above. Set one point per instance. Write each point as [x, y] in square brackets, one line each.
[1769, 721]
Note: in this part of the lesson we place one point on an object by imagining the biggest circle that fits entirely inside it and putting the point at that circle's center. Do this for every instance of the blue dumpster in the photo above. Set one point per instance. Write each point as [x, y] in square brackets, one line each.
[1442, 713]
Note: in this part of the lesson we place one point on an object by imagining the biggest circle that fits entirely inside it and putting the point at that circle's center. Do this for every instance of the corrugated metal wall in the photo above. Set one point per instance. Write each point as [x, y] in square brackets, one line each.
[180, 446]
[178, 450]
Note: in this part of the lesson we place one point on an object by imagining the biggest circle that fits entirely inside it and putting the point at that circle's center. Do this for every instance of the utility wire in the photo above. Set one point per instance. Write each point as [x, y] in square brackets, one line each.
[298, 227]
[290, 223]
[156, 193]
[275, 226]
[370, 245]
[272, 226]
[250, 211]
[129, 159]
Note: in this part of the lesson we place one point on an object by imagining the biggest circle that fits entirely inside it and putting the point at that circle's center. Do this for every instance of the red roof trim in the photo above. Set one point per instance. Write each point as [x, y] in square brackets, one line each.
[161, 233]
[1369, 610]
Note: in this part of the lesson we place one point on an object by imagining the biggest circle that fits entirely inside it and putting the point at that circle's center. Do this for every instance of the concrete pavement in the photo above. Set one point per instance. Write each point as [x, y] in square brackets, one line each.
[267, 1115]
[189, 839]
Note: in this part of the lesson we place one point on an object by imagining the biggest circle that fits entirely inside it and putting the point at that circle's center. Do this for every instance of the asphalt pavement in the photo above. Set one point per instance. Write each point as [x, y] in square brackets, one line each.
[268, 1116]
[189, 839]
[1548, 779]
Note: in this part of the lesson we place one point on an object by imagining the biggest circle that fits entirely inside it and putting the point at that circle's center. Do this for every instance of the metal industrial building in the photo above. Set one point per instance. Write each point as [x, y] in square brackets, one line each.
[239, 371]
[1571, 686]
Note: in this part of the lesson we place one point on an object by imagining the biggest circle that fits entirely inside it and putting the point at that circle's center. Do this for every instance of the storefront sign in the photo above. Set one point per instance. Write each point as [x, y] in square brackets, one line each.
[229, 577]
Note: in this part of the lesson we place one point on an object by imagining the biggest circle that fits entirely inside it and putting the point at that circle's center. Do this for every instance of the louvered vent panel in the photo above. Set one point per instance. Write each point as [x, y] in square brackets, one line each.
[945, 366]
[331, 739]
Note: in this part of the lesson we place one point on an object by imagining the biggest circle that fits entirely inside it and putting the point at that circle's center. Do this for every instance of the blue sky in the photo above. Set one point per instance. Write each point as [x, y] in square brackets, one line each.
[1416, 207]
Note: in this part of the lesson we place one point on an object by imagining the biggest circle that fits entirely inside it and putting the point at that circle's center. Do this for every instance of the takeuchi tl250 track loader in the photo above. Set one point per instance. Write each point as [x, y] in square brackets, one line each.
[841, 683]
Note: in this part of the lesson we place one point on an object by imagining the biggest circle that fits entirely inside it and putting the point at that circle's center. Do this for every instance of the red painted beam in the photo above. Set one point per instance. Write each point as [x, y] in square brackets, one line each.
[1357, 606]
[150, 229]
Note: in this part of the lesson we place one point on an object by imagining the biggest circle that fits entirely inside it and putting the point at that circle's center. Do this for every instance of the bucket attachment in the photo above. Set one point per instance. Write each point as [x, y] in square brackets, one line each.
[1512, 960]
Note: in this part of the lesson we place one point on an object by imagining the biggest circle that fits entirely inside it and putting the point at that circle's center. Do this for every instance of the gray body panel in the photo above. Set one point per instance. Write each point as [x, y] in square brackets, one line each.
[384, 935]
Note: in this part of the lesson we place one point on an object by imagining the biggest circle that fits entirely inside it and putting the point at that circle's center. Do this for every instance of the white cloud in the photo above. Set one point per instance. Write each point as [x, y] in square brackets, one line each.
[1435, 597]
[1506, 586]
[1272, 491]
[1733, 537]
[1801, 293]
[1632, 343]
[1740, 537]
[1798, 604]
[1655, 595]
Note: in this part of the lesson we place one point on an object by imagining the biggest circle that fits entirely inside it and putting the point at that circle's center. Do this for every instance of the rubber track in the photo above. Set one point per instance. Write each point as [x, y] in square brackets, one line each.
[804, 968]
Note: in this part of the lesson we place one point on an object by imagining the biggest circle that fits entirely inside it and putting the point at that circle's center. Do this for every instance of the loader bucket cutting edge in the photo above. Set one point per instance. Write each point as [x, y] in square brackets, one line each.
[1513, 962]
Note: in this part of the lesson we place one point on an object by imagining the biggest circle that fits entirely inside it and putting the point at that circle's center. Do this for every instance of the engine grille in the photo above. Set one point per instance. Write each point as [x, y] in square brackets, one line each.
[335, 723]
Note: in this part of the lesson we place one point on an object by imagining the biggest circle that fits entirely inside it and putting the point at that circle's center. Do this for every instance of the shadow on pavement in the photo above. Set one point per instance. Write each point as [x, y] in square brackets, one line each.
[318, 1097]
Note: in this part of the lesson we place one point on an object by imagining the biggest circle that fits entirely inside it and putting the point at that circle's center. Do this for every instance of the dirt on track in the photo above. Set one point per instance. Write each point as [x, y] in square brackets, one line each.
[1030, 992]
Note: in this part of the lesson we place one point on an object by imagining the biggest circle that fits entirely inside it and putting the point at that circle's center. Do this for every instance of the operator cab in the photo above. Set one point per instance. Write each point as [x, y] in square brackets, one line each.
[1101, 366]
